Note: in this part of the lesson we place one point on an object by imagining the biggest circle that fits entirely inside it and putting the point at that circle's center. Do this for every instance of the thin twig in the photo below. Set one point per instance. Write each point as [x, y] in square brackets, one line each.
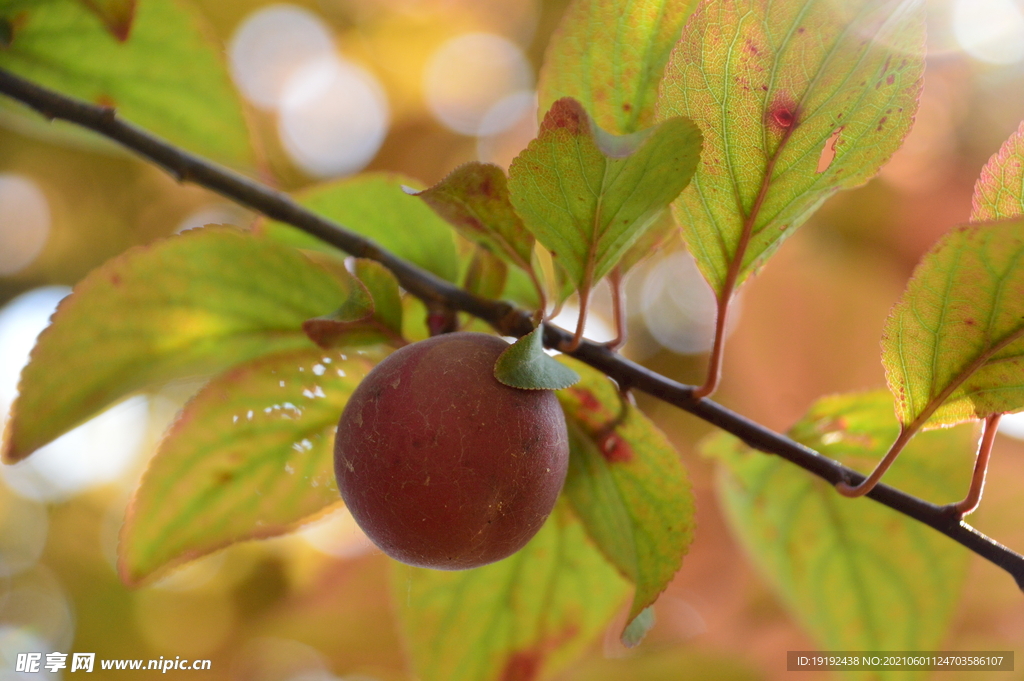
[505, 318]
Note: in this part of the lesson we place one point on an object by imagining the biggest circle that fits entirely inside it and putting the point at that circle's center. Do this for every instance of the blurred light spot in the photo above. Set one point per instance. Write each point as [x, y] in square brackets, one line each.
[477, 77]
[99, 451]
[270, 45]
[14, 640]
[337, 535]
[36, 606]
[183, 622]
[990, 30]
[334, 117]
[595, 329]
[24, 222]
[1012, 425]
[504, 145]
[679, 307]
[96, 452]
[267, 658]
[23, 527]
[217, 214]
[21, 320]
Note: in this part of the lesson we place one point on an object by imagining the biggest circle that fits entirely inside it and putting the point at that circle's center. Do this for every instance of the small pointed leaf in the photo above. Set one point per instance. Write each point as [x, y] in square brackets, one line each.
[638, 628]
[855, 574]
[769, 84]
[521, 618]
[588, 195]
[189, 305]
[610, 56]
[999, 192]
[628, 486]
[376, 206]
[525, 365]
[953, 346]
[250, 456]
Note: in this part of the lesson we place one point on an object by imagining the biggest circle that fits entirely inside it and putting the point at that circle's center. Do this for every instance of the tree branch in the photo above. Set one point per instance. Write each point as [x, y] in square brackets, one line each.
[505, 318]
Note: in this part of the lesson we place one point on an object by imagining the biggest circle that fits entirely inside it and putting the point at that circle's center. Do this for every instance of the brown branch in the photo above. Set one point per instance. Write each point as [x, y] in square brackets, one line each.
[505, 318]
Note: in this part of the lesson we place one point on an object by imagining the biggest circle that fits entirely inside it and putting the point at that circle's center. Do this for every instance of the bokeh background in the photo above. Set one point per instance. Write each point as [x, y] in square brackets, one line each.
[334, 87]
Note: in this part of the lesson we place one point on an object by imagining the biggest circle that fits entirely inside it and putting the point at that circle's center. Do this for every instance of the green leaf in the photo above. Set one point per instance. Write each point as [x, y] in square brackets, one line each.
[857, 575]
[189, 305]
[770, 84]
[250, 456]
[167, 78]
[374, 205]
[627, 484]
[116, 15]
[371, 314]
[953, 346]
[588, 195]
[474, 199]
[999, 192]
[486, 275]
[520, 618]
[525, 365]
[610, 56]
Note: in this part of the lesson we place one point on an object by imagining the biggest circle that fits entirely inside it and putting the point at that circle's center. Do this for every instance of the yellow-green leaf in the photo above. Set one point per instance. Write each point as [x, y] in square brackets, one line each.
[250, 456]
[521, 618]
[588, 195]
[953, 346]
[166, 77]
[857, 575]
[999, 191]
[610, 56]
[189, 305]
[627, 484]
[772, 85]
[376, 206]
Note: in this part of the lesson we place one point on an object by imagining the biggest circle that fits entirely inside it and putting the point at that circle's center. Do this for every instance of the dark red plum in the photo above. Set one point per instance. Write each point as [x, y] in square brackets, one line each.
[443, 466]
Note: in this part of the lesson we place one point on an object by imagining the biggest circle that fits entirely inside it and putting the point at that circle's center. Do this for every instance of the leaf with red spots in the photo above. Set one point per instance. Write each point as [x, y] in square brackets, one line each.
[250, 456]
[953, 346]
[854, 574]
[116, 15]
[167, 76]
[474, 199]
[520, 619]
[190, 305]
[627, 484]
[769, 84]
[610, 56]
[999, 192]
[588, 195]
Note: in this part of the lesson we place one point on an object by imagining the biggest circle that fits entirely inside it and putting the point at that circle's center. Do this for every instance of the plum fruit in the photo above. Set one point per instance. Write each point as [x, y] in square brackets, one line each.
[443, 466]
